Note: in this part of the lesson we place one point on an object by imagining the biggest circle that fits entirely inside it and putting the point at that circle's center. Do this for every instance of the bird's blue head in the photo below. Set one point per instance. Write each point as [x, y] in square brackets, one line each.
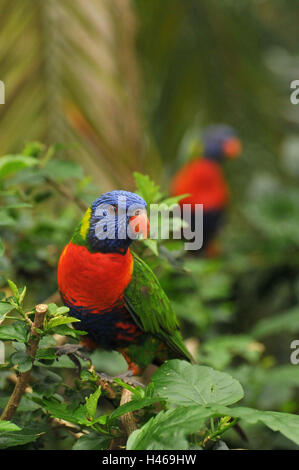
[221, 142]
[113, 221]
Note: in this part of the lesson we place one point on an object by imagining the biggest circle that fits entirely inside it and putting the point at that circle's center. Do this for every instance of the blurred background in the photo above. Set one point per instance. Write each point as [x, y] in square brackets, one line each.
[126, 85]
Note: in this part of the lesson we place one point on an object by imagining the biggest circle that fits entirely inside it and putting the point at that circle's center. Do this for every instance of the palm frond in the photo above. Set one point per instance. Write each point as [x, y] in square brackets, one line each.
[71, 76]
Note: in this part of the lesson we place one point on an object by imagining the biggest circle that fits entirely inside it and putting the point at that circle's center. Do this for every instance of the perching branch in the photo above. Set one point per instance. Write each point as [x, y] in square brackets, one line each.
[128, 420]
[24, 377]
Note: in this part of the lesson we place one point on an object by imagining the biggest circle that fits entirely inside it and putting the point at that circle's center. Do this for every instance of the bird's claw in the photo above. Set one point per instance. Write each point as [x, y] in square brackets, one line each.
[74, 352]
[127, 377]
[69, 349]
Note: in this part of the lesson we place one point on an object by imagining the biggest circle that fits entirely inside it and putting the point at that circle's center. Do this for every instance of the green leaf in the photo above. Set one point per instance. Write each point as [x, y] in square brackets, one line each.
[189, 384]
[157, 432]
[60, 170]
[92, 403]
[52, 308]
[45, 353]
[48, 385]
[146, 188]
[133, 405]
[13, 163]
[286, 423]
[33, 149]
[219, 352]
[60, 320]
[92, 441]
[137, 391]
[5, 308]
[65, 330]
[63, 362]
[19, 346]
[287, 374]
[62, 310]
[1, 248]
[22, 360]
[22, 295]
[11, 439]
[62, 411]
[17, 331]
[170, 201]
[19, 205]
[47, 341]
[7, 426]
[284, 322]
[5, 218]
[168, 430]
[13, 288]
[26, 404]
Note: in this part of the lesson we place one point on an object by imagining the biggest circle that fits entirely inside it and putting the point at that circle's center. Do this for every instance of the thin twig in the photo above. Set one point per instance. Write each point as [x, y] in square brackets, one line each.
[66, 193]
[13, 378]
[24, 377]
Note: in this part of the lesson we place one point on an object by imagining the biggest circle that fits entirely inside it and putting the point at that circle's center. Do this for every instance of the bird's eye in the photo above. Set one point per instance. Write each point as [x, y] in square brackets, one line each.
[112, 210]
[137, 212]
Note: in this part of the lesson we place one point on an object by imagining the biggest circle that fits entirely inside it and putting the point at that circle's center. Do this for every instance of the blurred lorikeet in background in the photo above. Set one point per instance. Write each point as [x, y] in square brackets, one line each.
[114, 294]
[203, 179]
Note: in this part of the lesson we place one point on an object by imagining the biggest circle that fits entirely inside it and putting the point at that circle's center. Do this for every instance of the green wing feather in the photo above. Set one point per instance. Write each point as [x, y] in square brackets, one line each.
[151, 310]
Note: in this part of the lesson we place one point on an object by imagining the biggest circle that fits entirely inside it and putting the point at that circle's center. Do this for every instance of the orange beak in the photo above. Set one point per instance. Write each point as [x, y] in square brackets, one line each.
[232, 147]
[139, 224]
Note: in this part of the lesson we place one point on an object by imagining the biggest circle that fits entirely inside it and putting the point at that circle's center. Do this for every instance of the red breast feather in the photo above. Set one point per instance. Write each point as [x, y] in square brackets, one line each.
[93, 280]
[204, 181]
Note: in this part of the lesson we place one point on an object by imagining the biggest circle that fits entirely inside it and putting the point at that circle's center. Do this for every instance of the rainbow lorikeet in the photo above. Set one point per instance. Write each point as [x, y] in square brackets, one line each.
[204, 181]
[114, 293]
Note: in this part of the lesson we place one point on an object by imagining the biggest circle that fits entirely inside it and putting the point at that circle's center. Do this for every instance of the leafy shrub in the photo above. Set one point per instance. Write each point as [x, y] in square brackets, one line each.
[184, 406]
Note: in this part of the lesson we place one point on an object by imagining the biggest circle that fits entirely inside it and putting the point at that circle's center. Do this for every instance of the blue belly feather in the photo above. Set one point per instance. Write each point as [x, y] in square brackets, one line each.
[101, 327]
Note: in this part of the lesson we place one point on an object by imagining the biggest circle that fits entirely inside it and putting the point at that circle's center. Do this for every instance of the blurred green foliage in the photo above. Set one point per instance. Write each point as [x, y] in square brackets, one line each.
[201, 62]
[207, 61]
[238, 314]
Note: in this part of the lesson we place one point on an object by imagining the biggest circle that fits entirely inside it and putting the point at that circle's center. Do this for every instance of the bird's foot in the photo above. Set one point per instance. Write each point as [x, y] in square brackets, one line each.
[74, 352]
[127, 377]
